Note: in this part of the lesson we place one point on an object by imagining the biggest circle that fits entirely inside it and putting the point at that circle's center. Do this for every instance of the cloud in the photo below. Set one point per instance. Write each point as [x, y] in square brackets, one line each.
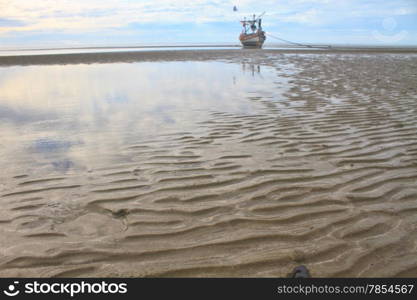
[311, 16]
[75, 15]
[71, 17]
[10, 23]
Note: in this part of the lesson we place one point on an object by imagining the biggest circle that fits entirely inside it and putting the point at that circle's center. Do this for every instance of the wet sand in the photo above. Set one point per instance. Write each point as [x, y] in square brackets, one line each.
[323, 173]
[182, 55]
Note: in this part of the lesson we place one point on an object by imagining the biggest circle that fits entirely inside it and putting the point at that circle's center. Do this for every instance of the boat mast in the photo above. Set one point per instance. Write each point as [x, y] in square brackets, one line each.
[245, 24]
[254, 25]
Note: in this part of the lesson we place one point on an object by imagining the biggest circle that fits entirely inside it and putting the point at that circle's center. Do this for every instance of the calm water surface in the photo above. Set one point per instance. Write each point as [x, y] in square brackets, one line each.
[64, 117]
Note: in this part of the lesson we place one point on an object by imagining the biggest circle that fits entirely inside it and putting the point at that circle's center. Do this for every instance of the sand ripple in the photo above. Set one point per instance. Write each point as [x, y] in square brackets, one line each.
[325, 175]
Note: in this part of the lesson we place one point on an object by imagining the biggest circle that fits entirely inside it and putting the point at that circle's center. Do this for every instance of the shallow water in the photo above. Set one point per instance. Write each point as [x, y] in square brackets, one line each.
[61, 118]
[20, 52]
[245, 165]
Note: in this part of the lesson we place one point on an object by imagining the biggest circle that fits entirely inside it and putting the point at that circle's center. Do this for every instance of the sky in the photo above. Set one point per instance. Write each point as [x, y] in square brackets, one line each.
[83, 23]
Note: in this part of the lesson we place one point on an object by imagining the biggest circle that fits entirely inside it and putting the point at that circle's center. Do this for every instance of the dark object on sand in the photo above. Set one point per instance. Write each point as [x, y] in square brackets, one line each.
[300, 272]
[120, 213]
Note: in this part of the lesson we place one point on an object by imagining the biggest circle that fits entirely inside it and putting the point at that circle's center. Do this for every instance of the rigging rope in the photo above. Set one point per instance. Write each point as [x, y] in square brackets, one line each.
[297, 44]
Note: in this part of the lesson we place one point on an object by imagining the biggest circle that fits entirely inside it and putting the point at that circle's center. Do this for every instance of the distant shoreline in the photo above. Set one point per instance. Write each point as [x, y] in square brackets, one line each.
[178, 55]
[122, 47]
[237, 45]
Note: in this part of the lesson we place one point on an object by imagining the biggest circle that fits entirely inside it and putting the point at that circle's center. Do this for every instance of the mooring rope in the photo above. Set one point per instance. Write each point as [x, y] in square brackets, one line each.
[297, 44]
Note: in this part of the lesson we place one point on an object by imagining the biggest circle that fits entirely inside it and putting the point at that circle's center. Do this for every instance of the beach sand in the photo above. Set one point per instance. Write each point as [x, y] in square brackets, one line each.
[323, 173]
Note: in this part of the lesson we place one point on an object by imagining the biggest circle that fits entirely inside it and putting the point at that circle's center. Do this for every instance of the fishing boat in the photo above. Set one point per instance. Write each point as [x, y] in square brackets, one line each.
[252, 35]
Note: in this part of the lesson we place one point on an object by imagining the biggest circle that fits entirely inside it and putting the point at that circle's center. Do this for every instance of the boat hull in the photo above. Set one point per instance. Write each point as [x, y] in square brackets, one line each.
[253, 40]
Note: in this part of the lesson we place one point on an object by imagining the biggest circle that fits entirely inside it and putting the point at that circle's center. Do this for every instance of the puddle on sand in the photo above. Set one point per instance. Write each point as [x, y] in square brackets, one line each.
[64, 117]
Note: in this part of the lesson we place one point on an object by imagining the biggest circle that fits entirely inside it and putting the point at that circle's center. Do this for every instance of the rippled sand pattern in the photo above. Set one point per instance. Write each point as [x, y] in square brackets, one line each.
[324, 175]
